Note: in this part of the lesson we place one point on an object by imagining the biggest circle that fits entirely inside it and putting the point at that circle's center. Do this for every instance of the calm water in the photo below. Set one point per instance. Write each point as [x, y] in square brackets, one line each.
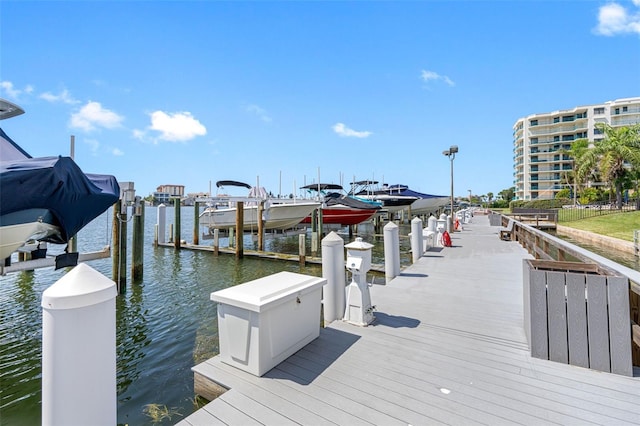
[165, 324]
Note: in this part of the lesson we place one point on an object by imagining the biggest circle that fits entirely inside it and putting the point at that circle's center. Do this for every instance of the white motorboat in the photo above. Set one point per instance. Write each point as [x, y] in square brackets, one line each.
[277, 213]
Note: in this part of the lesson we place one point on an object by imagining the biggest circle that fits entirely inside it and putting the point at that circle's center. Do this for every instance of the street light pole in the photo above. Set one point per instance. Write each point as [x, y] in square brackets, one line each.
[451, 153]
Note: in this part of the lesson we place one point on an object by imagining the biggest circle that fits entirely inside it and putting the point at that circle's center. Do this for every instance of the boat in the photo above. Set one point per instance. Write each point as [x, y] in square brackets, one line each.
[45, 199]
[277, 213]
[392, 200]
[425, 203]
[342, 209]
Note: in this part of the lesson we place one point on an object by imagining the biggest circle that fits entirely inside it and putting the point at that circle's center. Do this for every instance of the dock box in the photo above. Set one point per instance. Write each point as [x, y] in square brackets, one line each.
[263, 322]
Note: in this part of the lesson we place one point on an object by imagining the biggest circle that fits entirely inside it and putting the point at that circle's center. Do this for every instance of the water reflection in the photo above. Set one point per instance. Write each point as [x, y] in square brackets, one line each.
[166, 323]
[621, 257]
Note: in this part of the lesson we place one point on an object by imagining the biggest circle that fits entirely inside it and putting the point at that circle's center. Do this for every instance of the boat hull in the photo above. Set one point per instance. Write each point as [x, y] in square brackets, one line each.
[428, 205]
[19, 227]
[276, 216]
[344, 216]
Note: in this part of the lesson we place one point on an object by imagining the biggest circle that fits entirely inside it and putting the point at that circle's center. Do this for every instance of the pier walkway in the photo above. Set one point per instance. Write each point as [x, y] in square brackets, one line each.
[447, 347]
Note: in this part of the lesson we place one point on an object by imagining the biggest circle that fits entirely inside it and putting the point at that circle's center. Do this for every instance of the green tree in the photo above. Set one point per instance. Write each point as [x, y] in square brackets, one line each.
[563, 193]
[578, 148]
[508, 194]
[615, 156]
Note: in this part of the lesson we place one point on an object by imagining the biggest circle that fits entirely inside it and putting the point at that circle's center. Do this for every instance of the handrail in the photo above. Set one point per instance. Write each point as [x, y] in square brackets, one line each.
[566, 249]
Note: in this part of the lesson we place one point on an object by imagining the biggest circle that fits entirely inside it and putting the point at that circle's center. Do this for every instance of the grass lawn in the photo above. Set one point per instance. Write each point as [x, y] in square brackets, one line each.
[616, 225]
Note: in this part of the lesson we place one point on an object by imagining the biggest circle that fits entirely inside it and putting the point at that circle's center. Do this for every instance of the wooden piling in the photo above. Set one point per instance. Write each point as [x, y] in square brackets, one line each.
[314, 221]
[137, 248]
[302, 249]
[196, 223]
[176, 228]
[119, 251]
[216, 241]
[260, 226]
[320, 223]
[239, 230]
[171, 233]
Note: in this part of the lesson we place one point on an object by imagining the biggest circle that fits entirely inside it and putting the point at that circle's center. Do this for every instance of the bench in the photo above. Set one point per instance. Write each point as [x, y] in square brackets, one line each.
[505, 233]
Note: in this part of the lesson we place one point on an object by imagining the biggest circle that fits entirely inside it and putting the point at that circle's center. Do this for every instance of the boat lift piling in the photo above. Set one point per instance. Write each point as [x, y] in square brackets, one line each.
[119, 238]
[302, 248]
[196, 223]
[260, 226]
[137, 249]
[239, 230]
[176, 237]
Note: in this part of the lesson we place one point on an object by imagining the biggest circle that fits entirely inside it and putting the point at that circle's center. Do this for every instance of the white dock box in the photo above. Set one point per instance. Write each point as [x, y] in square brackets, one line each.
[263, 322]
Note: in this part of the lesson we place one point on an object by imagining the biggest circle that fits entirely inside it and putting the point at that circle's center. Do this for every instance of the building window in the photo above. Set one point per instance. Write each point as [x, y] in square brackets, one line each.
[617, 111]
[598, 111]
[556, 119]
[624, 109]
[556, 138]
[567, 137]
[568, 118]
[533, 122]
[534, 140]
[597, 131]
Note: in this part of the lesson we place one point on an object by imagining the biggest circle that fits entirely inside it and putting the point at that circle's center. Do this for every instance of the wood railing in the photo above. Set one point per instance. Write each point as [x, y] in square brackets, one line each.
[548, 247]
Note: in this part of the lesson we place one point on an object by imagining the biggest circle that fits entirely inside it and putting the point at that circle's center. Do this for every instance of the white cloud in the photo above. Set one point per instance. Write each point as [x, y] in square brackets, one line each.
[117, 152]
[139, 134]
[176, 127]
[428, 76]
[614, 19]
[93, 115]
[343, 130]
[64, 97]
[260, 112]
[10, 90]
[93, 145]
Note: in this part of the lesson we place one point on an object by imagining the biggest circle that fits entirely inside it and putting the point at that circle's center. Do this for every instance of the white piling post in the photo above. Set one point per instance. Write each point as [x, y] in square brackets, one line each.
[333, 292]
[391, 251]
[79, 350]
[416, 239]
[162, 224]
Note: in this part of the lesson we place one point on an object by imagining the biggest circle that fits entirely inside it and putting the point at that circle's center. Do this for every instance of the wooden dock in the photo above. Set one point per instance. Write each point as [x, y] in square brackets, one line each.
[447, 347]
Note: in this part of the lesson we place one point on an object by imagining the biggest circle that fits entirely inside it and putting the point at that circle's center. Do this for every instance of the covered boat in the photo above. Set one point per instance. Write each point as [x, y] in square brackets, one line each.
[424, 203]
[46, 199]
[392, 199]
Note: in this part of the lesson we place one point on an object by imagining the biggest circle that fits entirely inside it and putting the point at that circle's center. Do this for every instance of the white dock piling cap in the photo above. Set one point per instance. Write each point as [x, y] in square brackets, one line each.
[332, 239]
[358, 244]
[82, 286]
[390, 225]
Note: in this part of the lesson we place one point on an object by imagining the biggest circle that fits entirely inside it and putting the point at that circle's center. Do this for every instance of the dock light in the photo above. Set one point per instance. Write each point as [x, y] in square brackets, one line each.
[451, 153]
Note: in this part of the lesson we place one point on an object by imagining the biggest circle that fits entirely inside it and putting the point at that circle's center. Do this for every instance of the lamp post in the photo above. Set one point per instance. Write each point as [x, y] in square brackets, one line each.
[451, 153]
[469, 197]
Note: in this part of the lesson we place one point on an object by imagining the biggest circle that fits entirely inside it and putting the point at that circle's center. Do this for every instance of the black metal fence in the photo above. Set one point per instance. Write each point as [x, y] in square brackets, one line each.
[571, 213]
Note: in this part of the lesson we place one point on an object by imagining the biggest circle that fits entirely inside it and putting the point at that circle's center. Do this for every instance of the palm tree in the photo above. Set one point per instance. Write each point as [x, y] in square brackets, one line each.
[577, 150]
[615, 156]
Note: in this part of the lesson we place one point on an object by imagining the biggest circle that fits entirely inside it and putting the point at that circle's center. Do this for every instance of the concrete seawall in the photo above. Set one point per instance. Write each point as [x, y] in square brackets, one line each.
[596, 239]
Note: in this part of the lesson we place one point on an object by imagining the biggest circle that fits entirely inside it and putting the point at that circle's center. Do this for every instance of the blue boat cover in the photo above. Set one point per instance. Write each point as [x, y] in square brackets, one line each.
[57, 184]
[404, 190]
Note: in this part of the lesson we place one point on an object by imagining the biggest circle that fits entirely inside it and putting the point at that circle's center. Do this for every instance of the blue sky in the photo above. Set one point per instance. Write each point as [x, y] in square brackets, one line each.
[194, 92]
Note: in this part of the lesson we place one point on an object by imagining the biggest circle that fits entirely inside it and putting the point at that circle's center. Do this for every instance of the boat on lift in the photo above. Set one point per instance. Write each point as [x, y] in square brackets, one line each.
[342, 209]
[392, 200]
[45, 199]
[277, 213]
[425, 203]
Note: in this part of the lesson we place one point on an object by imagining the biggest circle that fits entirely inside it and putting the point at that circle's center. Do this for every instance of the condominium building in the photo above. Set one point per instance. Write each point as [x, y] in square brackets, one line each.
[540, 165]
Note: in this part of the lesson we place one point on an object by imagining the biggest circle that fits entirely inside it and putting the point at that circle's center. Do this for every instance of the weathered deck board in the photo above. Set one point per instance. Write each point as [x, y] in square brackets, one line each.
[448, 347]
